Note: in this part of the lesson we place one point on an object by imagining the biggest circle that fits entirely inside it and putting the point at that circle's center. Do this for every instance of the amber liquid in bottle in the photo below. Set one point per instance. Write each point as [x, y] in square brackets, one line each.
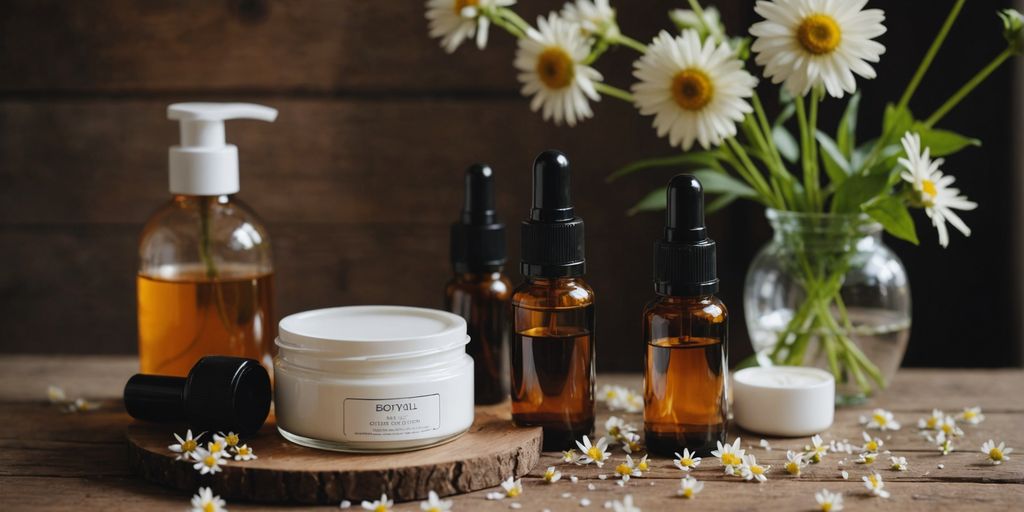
[188, 315]
[483, 300]
[685, 381]
[553, 359]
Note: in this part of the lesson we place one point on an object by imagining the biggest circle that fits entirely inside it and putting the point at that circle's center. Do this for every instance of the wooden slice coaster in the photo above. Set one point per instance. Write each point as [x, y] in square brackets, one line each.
[491, 451]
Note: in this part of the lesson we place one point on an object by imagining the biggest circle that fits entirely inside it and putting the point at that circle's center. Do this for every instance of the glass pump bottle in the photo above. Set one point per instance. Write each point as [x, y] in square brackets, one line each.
[685, 330]
[479, 291]
[205, 277]
[553, 315]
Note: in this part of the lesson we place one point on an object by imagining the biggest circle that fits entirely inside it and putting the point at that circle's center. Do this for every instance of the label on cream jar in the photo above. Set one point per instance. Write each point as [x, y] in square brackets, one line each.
[382, 418]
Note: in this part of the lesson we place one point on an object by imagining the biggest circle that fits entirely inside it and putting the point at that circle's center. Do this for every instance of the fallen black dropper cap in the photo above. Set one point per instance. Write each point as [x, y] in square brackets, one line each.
[552, 238]
[684, 260]
[221, 393]
[478, 239]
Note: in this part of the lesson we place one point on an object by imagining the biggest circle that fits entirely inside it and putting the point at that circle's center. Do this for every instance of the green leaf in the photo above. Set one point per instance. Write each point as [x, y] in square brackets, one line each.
[702, 158]
[857, 190]
[943, 142]
[787, 113]
[846, 133]
[894, 216]
[836, 166]
[653, 201]
[786, 144]
[715, 182]
[895, 123]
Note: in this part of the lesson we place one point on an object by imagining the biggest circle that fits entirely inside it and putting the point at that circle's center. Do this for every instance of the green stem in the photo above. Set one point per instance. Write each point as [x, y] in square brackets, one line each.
[805, 158]
[968, 87]
[699, 11]
[812, 129]
[598, 50]
[755, 177]
[515, 19]
[930, 55]
[615, 92]
[625, 40]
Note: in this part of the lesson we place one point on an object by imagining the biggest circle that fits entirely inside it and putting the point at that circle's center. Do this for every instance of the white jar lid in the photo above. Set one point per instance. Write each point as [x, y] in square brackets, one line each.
[372, 332]
[788, 401]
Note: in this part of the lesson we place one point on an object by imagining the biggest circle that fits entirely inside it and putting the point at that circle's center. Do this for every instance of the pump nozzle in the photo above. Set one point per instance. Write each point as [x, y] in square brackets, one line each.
[684, 210]
[204, 164]
[552, 183]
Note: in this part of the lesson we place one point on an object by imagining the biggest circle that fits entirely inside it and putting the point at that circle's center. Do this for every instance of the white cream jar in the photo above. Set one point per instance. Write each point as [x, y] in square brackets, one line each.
[373, 378]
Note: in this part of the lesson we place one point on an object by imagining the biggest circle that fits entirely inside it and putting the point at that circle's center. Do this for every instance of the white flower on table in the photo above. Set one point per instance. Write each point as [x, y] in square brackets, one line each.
[944, 442]
[626, 505]
[550, 60]
[971, 415]
[595, 17]
[552, 475]
[687, 461]
[207, 462]
[809, 43]
[829, 501]
[794, 462]
[730, 455]
[618, 429]
[229, 440]
[381, 505]
[949, 427]
[434, 503]
[751, 470]
[56, 395]
[205, 501]
[631, 444]
[933, 188]
[898, 463]
[931, 422]
[643, 465]
[571, 456]
[243, 452]
[627, 469]
[596, 453]
[455, 21]
[816, 450]
[866, 458]
[871, 444]
[689, 487]
[185, 446]
[996, 453]
[873, 482]
[513, 487]
[695, 90]
[217, 447]
[881, 419]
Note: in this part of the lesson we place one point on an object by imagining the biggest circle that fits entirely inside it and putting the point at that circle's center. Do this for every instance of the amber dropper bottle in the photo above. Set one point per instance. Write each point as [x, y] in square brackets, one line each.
[553, 315]
[479, 291]
[686, 331]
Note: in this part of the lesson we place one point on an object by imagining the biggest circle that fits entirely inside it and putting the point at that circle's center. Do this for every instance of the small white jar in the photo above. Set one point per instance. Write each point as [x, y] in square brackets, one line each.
[373, 378]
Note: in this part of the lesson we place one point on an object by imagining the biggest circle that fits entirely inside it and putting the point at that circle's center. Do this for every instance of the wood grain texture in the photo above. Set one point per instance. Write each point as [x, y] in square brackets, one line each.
[54, 461]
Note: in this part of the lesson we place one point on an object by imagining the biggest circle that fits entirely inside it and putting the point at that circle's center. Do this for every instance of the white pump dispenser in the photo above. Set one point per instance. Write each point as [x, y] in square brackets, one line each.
[204, 164]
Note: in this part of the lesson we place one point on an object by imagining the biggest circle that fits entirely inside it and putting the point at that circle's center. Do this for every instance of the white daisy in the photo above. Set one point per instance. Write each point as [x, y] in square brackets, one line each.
[434, 503]
[816, 450]
[730, 455]
[552, 475]
[871, 444]
[996, 453]
[618, 429]
[185, 447]
[689, 487]
[971, 415]
[626, 505]
[933, 188]
[881, 419]
[687, 461]
[381, 505]
[550, 63]
[570, 456]
[949, 427]
[751, 470]
[229, 440]
[631, 443]
[596, 453]
[805, 43]
[829, 501]
[205, 501]
[711, 25]
[694, 90]
[595, 17]
[454, 21]
[944, 442]
[207, 462]
[243, 452]
[875, 485]
[512, 487]
[794, 462]
[866, 458]
[626, 470]
[898, 463]
[931, 422]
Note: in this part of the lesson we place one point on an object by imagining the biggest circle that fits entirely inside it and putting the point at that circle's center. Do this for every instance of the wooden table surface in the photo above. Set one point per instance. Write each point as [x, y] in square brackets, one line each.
[52, 460]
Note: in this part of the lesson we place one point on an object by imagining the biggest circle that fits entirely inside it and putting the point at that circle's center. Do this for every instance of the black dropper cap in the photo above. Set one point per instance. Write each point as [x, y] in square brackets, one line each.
[552, 239]
[478, 239]
[221, 393]
[684, 260]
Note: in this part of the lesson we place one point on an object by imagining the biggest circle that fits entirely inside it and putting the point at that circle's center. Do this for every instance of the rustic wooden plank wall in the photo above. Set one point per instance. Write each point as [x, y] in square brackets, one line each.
[361, 174]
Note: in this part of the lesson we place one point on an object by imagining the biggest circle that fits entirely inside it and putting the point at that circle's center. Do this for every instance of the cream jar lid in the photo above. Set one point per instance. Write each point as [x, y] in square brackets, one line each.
[372, 332]
[790, 401]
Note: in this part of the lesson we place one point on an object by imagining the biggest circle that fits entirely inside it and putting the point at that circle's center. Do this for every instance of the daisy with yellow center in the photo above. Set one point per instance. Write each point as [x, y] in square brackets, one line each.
[898, 463]
[751, 470]
[866, 458]
[434, 503]
[243, 452]
[806, 43]
[730, 455]
[689, 487]
[215, 447]
[687, 461]
[816, 450]
[944, 442]
[618, 430]
[595, 17]
[949, 427]
[552, 475]
[550, 60]
[642, 464]
[454, 21]
[207, 462]
[627, 469]
[794, 462]
[933, 188]
[513, 488]
[596, 453]
[185, 446]
[570, 456]
[631, 443]
[873, 482]
[205, 501]
[829, 501]
[229, 440]
[695, 90]
[882, 420]
[931, 422]
[381, 505]
[972, 415]
[996, 453]
[871, 444]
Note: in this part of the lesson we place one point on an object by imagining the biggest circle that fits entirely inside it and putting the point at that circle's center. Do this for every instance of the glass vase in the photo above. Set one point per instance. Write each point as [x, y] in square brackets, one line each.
[827, 292]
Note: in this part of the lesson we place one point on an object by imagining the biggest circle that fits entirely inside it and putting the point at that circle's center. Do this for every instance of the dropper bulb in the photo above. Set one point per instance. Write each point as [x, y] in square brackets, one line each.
[551, 187]
[684, 212]
[478, 206]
